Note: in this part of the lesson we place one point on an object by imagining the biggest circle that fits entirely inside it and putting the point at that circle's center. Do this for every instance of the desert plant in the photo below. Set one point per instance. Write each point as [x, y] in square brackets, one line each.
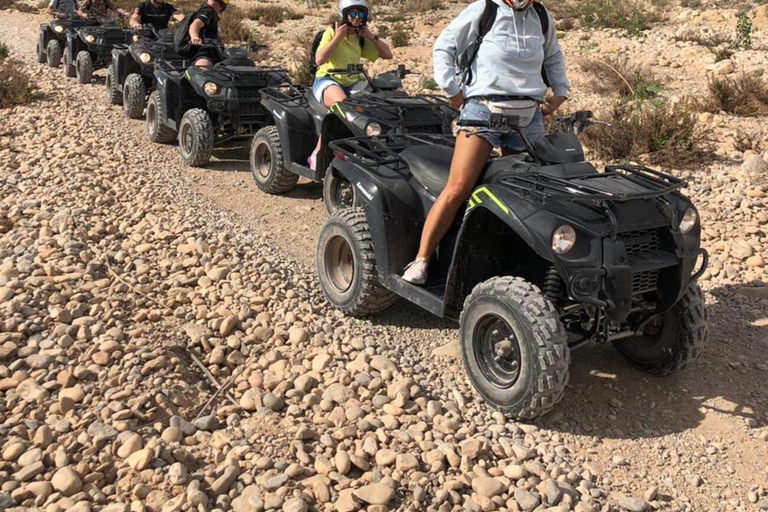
[271, 15]
[743, 38]
[422, 5]
[6, 4]
[429, 84]
[630, 16]
[16, 87]
[4, 52]
[400, 37]
[618, 75]
[233, 27]
[745, 95]
[301, 73]
[659, 133]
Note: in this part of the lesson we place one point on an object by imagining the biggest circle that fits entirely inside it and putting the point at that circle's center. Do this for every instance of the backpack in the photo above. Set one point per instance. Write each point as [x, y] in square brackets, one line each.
[313, 49]
[485, 24]
[181, 40]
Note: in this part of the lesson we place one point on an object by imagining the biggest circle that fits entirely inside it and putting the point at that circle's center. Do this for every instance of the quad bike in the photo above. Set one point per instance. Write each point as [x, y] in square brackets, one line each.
[52, 38]
[548, 254]
[279, 151]
[206, 106]
[90, 48]
[131, 76]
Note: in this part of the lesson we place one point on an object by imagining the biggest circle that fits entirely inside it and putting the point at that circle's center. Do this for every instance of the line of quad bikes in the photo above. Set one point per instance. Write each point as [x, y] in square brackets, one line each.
[549, 253]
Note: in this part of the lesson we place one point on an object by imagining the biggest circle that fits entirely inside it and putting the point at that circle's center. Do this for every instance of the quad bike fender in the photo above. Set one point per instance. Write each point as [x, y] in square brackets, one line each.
[44, 35]
[296, 128]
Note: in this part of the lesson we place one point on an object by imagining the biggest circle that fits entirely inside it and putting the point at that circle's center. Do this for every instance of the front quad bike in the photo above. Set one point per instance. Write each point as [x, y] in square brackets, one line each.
[548, 255]
[207, 106]
[279, 152]
[90, 49]
[131, 76]
[52, 38]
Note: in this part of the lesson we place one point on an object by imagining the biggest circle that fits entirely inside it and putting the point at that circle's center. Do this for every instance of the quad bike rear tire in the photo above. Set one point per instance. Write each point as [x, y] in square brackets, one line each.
[114, 95]
[675, 341]
[53, 53]
[69, 68]
[156, 130]
[346, 265]
[40, 52]
[196, 137]
[84, 67]
[338, 193]
[134, 96]
[514, 347]
[267, 163]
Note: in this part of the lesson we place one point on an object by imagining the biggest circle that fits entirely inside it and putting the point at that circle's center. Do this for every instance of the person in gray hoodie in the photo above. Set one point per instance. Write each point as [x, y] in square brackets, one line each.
[509, 66]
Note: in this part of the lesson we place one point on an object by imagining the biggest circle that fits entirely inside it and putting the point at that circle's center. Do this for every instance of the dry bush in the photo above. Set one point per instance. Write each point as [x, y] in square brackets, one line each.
[628, 15]
[422, 6]
[303, 44]
[271, 15]
[745, 95]
[657, 133]
[16, 87]
[565, 13]
[26, 8]
[6, 4]
[618, 75]
[232, 25]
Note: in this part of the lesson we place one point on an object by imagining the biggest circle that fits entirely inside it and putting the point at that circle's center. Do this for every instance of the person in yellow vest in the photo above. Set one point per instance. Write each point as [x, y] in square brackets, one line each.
[345, 43]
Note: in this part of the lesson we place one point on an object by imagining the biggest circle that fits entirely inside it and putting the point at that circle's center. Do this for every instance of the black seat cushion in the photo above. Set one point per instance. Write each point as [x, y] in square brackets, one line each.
[430, 165]
[559, 148]
[316, 105]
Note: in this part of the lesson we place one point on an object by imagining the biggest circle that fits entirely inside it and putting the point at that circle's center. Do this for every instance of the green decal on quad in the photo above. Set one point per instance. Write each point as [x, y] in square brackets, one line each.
[475, 199]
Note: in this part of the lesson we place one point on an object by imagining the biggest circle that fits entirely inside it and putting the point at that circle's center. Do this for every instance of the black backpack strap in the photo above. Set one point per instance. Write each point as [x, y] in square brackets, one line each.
[544, 19]
[484, 25]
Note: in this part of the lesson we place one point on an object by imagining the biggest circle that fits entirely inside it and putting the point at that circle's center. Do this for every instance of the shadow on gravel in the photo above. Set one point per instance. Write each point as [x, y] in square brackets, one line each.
[608, 398]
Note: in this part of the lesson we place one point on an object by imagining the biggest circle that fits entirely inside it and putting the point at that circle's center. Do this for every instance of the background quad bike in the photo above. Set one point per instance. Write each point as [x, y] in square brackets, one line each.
[548, 255]
[52, 38]
[90, 48]
[202, 107]
[131, 76]
[280, 150]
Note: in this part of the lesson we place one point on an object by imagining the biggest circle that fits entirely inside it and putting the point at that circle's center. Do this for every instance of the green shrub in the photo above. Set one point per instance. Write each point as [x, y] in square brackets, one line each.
[617, 75]
[400, 37]
[429, 84]
[4, 52]
[629, 16]
[743, 32]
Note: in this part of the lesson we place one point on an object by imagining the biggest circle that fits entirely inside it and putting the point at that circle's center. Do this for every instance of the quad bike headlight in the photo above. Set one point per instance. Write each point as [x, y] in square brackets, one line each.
[135, 38]
[59, 29]
[89, 38]
[563, 239]
[145, 58]
[690, 218]
[372, 129]
[210, 88]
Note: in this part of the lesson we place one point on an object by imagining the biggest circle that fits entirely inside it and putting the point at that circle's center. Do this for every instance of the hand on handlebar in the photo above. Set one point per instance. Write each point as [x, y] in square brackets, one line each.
[196, 41]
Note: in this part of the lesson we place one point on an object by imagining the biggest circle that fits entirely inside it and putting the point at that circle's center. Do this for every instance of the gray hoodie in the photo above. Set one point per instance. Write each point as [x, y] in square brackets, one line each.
[510, 58]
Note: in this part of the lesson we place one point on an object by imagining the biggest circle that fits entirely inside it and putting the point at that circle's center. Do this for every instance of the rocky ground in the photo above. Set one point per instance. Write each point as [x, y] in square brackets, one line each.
[163, 346]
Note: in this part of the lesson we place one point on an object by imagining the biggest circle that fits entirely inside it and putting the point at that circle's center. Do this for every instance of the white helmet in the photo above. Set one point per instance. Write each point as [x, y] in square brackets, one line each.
[519, 5]
[344, 6]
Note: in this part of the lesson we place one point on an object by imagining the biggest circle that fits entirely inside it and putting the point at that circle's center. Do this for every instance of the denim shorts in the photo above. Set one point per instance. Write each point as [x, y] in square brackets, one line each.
[475, 110]
[322, 83]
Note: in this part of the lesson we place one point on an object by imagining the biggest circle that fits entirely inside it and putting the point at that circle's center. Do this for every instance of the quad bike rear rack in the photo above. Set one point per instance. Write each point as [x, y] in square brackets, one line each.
[384, 150]
[294, 96]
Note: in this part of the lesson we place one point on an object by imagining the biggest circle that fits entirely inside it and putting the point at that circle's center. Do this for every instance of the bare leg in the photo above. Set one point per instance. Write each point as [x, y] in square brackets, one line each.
[203, 63]
[469, 158]
[333, 94]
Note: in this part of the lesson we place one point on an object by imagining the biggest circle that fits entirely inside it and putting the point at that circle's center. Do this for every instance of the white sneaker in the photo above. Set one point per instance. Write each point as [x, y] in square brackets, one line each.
[416, 272]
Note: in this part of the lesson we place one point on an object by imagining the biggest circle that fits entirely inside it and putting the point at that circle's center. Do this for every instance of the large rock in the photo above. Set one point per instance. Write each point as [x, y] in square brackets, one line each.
[488, 487]
[375, 494]
[754, 164]
[67, 481]
[248, 501]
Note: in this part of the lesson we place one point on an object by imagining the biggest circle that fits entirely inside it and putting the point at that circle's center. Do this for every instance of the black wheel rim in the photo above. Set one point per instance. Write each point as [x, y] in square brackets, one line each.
[343, 193]
[339, 264]
[262, 160]
[497, 351]
[187, 138]
[657, 341]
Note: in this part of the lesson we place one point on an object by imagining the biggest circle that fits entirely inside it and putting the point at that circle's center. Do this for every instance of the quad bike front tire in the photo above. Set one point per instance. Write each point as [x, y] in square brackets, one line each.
[338, 193]
[673, 341]
[134, 96]
[267, 163]
[69, 68]
[156, 130]
[114, 95]
[346, 265]
[84, 67]
[53, 53]
[196, 137]
[514, 347]
[40, 52]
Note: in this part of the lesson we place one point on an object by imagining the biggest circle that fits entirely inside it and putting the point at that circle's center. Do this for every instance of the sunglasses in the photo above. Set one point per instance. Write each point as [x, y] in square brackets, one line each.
[356, 14]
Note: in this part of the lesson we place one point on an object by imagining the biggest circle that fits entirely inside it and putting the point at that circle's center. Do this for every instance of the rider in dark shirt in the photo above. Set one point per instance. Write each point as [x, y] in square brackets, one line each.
[154, 12]
[205, 24]
[63, 8]
[100, 8]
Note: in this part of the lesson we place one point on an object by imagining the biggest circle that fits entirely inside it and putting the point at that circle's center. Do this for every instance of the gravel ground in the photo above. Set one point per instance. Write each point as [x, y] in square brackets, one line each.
[112, 289]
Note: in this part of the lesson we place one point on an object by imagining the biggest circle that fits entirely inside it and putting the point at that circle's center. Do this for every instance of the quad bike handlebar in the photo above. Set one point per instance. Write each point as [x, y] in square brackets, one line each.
[576, 123]
[358, 69]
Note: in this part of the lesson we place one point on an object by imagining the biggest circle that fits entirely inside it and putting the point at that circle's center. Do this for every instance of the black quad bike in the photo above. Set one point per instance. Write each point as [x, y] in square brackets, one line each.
[52, 38]
[90, 48]
[131, 76]
[548, 255]
[279, 152]
[206, 106]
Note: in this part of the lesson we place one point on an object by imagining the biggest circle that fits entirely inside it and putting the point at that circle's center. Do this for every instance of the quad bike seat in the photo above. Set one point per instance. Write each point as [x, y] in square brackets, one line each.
[315, 105]
[430, 165]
